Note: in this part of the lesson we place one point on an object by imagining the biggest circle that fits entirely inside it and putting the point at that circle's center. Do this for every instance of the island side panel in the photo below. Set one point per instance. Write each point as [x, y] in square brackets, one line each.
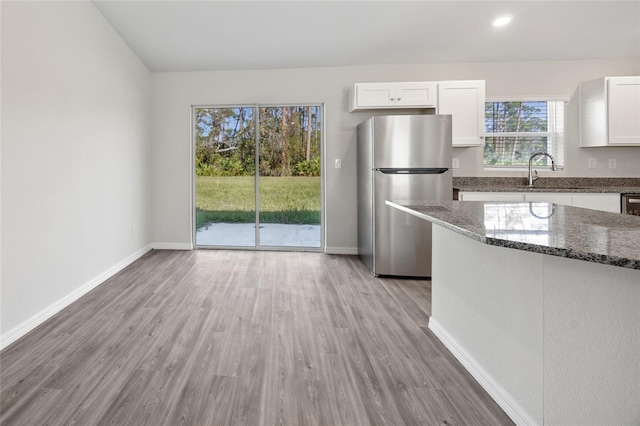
[592, 343]
[487, 309]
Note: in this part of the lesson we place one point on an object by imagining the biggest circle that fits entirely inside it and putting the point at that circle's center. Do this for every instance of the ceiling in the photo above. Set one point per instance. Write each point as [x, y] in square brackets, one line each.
[231, 35]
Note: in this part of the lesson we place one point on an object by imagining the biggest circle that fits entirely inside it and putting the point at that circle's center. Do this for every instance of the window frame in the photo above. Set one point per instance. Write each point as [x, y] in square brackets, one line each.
[519, 168]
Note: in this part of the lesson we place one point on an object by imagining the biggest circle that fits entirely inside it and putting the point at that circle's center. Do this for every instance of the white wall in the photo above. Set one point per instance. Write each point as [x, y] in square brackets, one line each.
[174, 93]
[75, 157]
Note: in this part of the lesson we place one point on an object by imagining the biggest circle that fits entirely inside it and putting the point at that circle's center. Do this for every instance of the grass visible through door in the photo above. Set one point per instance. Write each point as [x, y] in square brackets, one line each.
[283, 199]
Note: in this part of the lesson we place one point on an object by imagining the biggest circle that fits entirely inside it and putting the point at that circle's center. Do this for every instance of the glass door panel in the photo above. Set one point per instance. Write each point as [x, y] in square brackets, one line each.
[286, 141]
[289, 181]
[225, 212]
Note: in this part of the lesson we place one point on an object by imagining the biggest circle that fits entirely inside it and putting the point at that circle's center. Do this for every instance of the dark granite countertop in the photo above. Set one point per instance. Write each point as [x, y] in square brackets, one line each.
[557, 230]
[573, 185]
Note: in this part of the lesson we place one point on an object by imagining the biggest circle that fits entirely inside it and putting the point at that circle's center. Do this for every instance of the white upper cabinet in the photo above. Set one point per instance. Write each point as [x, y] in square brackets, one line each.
[421, 94]
[464, 100]
[610, 112]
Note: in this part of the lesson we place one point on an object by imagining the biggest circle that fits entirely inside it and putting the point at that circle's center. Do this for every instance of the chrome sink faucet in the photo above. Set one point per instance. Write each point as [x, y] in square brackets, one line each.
[534, 176]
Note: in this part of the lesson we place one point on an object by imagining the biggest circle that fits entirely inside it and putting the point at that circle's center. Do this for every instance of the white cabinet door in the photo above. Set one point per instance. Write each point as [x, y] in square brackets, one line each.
[604, 202]
[464, 100]
[624, 110]
[491, 196]
[547, 197]
[375, 95]
[422, 94]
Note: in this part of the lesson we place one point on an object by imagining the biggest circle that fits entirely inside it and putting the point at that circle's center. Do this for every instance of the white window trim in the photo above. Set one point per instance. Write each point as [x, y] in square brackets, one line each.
[519, 169]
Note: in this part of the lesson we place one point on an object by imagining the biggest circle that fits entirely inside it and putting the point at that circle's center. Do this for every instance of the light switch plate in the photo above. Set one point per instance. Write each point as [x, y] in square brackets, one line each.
[592, 163]
[338, 163]
[612, 163]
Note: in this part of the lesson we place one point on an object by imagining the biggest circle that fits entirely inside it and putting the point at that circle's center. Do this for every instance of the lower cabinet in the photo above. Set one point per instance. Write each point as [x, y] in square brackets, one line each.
[491, 196]
[604, 202]
[596, 201]
[546, 197]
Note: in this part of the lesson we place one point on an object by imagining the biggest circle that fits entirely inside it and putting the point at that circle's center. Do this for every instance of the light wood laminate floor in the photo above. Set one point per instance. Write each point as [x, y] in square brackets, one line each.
[241, 337]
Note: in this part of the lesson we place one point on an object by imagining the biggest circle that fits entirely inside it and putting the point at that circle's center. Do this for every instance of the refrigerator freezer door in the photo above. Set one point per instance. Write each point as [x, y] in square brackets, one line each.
[402, 242]
[411, 141]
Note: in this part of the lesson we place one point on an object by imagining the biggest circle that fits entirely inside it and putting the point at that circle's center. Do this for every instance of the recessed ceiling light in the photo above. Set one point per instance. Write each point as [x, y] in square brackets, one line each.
[502, 20]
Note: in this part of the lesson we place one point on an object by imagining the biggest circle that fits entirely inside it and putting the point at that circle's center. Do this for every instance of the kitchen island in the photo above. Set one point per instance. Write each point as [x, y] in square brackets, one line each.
[541, 303]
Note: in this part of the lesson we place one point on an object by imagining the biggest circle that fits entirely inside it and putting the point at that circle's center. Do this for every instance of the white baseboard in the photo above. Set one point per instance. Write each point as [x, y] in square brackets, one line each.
[341, 250]
[189, 246]
[497, 392]
[23, 328]
[172, 246]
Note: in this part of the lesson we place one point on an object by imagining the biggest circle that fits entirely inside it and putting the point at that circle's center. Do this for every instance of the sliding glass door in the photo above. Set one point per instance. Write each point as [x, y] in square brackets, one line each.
[225, 209]
[258, 176]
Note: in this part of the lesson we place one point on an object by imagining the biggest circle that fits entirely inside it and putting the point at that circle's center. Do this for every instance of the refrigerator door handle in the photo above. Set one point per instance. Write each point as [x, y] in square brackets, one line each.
[412, 171]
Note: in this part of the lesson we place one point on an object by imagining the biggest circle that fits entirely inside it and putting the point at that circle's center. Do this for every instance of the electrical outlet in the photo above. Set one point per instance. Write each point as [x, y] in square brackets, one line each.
[455, 163]
[592, 163]
[612, 163]
[338, 163]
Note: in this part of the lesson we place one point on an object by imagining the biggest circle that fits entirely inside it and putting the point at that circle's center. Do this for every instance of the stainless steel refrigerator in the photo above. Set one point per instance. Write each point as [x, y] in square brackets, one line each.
[400, 157]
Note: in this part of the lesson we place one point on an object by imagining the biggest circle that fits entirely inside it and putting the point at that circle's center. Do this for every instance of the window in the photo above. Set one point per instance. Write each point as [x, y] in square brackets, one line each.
[517, 129]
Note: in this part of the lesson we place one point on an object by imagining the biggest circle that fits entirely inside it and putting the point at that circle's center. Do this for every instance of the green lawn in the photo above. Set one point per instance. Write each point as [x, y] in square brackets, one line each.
[290, 199]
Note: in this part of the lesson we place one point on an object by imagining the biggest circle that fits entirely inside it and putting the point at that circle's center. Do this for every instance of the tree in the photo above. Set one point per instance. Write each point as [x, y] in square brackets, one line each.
[514, 117]
[289, 141]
